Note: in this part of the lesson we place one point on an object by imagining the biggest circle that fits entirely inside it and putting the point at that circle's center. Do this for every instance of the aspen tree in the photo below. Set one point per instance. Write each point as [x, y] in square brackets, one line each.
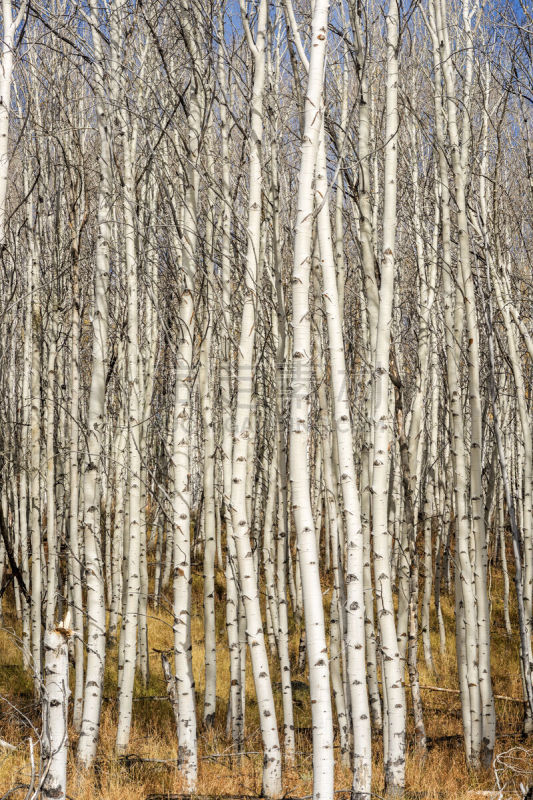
[55, 711]
[187, 740]
[51, 534]
[338, 598]
[371, 315]
[208, 480]
[35, 437]
[279, 335]
[427, 278]
[355, 625]
[395, 719]
[466, 626]
[132, 585]
[77, 222]
[232, 599]
[96, 620]
[241, 523]
[301, 378]
[118, 526]
[23, 481]
[459, 152]
[147, 365]
[10, 25]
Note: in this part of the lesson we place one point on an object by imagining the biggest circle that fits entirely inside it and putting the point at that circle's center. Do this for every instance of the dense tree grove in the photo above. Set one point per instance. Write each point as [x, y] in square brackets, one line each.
[266, 310]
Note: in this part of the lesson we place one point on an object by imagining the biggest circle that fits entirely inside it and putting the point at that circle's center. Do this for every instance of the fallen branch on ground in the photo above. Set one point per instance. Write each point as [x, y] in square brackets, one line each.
[456, 691]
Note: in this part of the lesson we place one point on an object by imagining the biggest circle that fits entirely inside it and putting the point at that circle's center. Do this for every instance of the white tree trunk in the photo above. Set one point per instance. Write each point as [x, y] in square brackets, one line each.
[181, 492]
[355, 604]
[209, 518]
[395, 719]
[321, 712]
[96, 613]
[9, 28]
[133, 580]
[55, 712]
[271, 785]
[51, 534]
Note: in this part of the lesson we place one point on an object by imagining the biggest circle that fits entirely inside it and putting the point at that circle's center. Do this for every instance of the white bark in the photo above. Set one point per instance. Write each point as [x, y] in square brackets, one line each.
[241, 523]
[133, 579]
[10, 25]
[355, 605]
[232, 599]
[181, 493]
[459, 151]
[51, 534]
[395, 719]
[208, 513]
[55, 712]
[321, 712]
[35, 437]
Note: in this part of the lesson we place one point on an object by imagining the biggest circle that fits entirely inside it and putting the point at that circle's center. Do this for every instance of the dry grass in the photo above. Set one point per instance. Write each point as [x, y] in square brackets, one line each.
[442, 774]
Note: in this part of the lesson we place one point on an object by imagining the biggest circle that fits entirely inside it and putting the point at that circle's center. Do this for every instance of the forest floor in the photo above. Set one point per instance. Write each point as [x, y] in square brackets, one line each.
[441, 774]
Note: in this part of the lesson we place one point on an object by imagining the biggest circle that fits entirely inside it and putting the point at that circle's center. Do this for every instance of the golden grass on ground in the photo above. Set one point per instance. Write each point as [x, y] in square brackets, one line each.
[442, 774]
